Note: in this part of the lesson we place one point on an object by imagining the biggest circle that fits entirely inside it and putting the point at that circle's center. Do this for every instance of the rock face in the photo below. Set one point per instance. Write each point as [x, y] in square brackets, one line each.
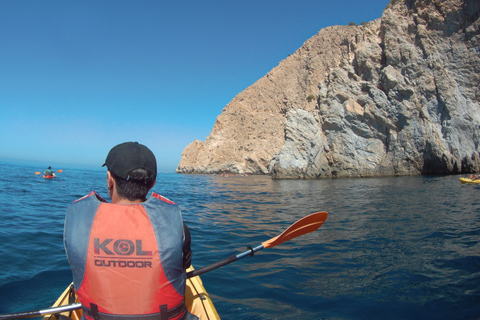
[396, 96]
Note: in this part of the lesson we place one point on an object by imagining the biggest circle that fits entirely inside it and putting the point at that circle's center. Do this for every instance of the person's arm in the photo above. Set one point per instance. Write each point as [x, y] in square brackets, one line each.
[187, 251]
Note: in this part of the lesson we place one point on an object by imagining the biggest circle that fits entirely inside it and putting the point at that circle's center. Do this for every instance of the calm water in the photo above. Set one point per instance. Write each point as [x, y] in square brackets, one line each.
[392, 248]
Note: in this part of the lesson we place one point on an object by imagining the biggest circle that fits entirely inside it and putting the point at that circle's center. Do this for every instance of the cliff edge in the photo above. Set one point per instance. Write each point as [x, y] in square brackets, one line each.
[396, 96]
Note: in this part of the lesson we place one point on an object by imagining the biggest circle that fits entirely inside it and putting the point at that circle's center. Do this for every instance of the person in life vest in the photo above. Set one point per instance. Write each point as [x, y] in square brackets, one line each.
[128, 257]
[49, 172]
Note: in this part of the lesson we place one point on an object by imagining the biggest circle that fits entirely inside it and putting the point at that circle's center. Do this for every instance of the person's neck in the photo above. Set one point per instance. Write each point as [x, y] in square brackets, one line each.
[126, 201]
[119, 200]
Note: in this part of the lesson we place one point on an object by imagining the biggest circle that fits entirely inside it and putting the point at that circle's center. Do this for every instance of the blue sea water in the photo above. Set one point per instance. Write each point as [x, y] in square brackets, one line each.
[391, 248]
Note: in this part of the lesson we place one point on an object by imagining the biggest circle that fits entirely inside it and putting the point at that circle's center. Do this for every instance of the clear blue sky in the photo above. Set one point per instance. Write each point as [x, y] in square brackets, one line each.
[80, 76]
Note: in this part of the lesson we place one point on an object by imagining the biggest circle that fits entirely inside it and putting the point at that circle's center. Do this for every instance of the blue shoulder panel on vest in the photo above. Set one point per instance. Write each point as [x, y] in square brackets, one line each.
[78, 222]
[166, 219]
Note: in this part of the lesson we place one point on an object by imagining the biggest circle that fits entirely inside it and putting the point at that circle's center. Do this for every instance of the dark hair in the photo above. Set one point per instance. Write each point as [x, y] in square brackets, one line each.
[137, 185]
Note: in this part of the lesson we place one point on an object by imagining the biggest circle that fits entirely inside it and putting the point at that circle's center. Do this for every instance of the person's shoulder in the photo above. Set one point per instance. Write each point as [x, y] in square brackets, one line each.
[161, 198]
[91, 196]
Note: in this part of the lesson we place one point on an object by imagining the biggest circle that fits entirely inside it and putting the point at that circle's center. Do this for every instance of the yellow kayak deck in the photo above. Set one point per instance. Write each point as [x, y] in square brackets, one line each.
[196, 298]
[467, 180]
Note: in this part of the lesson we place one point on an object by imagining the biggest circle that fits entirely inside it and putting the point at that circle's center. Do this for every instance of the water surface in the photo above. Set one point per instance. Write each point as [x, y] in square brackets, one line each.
[392, 248]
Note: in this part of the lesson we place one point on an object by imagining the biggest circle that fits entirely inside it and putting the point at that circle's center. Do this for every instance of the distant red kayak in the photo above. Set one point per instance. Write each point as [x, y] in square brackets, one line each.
[49, 177]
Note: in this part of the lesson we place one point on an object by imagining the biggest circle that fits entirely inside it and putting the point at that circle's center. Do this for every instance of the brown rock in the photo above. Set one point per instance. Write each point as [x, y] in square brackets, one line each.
[397, 96]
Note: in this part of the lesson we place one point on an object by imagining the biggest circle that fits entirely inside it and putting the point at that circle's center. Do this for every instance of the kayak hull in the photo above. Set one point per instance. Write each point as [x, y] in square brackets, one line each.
[467, 180]
[49, 177]
[196, 298]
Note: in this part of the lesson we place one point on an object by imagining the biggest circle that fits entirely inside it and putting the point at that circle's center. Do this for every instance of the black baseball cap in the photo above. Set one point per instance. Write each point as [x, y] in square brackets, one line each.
[128, 156]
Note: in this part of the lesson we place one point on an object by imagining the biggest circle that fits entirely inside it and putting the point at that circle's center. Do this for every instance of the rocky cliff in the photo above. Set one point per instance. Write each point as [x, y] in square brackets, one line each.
[396, 96]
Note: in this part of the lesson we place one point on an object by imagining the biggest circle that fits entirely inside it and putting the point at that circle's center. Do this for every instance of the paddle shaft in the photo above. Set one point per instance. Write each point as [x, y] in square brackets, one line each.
[38, 172]
[39, 313]
[223, 262]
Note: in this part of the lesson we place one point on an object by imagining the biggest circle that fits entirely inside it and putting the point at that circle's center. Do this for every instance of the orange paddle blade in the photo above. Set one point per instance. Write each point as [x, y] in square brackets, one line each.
[60, 170]
[303, 226]
[37, 172]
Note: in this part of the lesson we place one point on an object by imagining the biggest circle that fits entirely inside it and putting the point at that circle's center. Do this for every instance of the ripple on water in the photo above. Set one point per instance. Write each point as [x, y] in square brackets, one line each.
[392, 248]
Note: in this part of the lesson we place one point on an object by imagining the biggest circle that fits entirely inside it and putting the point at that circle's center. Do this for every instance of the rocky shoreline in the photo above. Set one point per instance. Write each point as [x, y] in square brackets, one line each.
[396, 96]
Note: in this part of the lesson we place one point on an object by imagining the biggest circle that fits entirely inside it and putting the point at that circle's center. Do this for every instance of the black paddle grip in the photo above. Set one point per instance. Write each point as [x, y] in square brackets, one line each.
[211, 267]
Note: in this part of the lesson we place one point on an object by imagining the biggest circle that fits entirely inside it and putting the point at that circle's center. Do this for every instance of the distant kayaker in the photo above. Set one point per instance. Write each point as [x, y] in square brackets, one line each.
[129, 257]
[476, 177]
[48, 172]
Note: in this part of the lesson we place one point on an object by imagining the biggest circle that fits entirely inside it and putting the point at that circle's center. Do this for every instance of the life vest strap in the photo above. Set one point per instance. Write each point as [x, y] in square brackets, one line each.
[163, 314]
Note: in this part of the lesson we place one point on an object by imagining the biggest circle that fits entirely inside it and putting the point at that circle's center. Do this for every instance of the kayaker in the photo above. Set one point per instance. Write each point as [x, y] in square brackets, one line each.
[48, 172]
[128, 257]
[476, 177]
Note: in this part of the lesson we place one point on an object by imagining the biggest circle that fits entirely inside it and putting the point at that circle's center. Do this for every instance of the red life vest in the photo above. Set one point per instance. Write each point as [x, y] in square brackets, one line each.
[127, 259]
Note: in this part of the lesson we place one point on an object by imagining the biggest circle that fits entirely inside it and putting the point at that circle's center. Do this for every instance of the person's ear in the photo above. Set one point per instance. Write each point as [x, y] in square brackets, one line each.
[110, 181]
[152, 184]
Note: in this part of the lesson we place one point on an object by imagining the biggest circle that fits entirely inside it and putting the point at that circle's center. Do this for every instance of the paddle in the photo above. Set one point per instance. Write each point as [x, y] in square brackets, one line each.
[38, 172]
[40, 313]
[303, 226]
